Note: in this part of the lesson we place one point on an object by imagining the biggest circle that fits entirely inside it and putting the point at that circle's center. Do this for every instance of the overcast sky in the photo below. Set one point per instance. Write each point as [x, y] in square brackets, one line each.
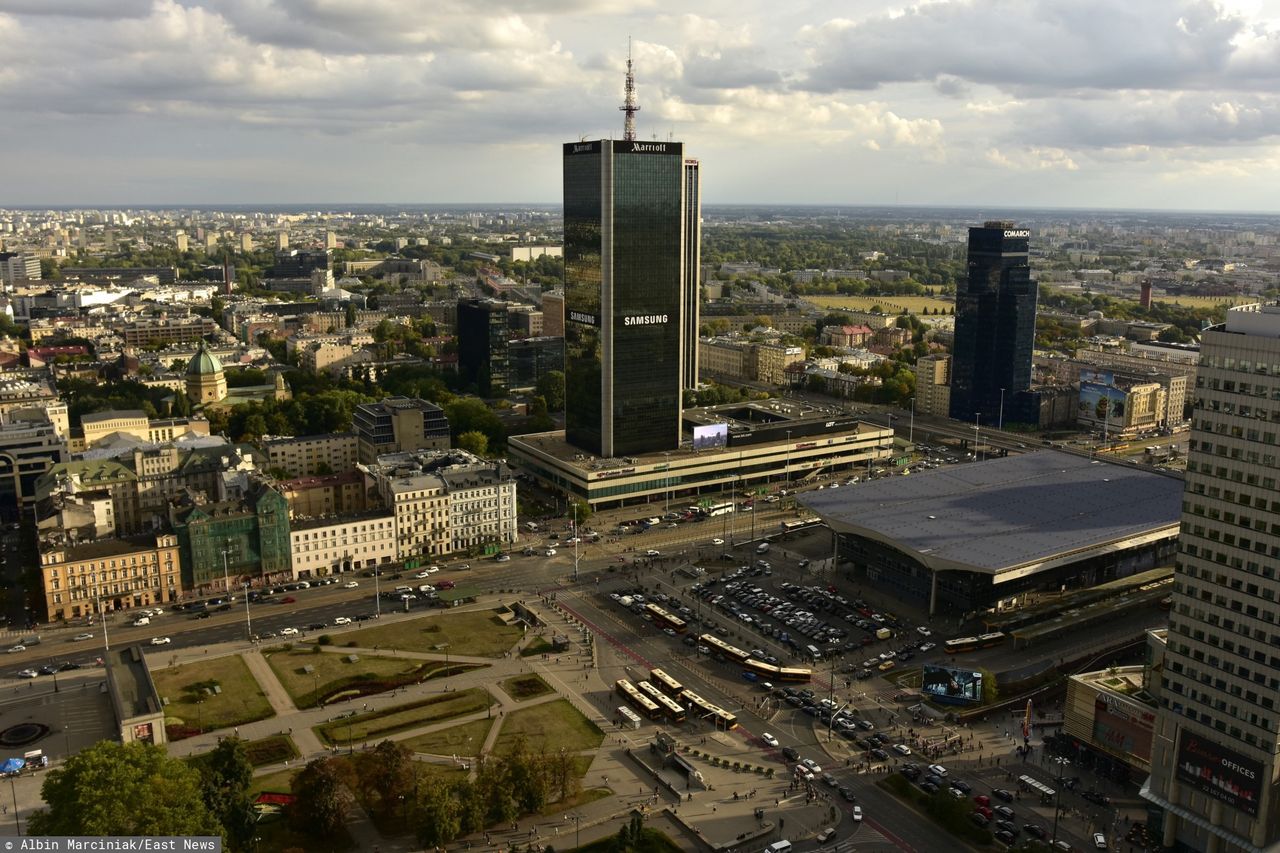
[1079, 103]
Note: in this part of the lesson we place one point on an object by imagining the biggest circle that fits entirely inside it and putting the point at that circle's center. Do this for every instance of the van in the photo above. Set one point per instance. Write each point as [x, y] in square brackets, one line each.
[783, 846]
[530, 526]
[141, 620]
[762, 548]
[403, 589]
[814, 652]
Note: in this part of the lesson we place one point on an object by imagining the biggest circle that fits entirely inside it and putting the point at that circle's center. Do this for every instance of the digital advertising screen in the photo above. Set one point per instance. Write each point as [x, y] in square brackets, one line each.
[1222, 773]
[955, 686]
[709, 436]
[1094, 401]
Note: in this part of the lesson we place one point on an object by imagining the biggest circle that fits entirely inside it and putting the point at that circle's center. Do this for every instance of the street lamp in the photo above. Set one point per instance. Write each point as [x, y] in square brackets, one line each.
[911, 430]
[666, 482]
[226, 577]
[1062, 764]
[976, 419]
[1000, 423]
[248, 621]
[577, 828]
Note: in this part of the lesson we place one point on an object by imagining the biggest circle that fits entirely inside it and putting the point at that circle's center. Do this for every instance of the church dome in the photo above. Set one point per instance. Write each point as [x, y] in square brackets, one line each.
[203, 363]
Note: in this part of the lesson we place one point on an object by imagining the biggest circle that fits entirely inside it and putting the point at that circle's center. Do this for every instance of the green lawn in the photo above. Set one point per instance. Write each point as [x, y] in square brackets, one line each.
[463, 739]
[192, 708]
[276, 783]
[379, 724]
[521, 687]
[551, 726]
[333, 677]
[479, 633]
[535, 647]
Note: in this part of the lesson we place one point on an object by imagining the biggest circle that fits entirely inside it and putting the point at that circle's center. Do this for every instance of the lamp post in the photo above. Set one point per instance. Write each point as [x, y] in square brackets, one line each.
[1000, 422]
[13, 789]
[1061, 763]
[226, 577]
[666, 482]
[911, 430]
[248, 620]
[976, 421]
[576, 537]
[106, 640]
[377, 592]
[577, 828]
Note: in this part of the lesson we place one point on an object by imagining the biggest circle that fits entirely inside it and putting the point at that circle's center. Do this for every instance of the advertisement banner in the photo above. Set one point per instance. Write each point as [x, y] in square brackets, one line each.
[1122, 728]
[709, 436]
[952, 686]
[1094, 401]
[1222, 773]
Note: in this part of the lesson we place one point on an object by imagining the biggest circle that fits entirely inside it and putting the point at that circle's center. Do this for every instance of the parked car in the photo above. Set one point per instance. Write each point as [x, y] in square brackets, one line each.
[342, 620]
[80, 637]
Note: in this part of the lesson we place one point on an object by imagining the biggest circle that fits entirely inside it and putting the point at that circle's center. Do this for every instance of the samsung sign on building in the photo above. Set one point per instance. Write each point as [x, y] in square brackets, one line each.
[644, 320]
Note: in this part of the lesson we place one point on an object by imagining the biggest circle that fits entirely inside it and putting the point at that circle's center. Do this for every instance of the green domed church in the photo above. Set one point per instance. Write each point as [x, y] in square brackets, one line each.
[206, 382]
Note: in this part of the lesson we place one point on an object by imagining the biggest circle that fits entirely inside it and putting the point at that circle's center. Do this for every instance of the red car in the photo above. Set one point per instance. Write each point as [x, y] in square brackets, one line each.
[288, 599]
[982, 800]
[445, 585]
[984, 811]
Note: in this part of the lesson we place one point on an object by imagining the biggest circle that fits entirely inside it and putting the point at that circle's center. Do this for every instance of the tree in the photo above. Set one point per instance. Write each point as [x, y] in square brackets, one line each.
[123, 789]
[225, 776]
[386, 772]
[438, 813]
[551, 388]
[321, 798]
[473, 441]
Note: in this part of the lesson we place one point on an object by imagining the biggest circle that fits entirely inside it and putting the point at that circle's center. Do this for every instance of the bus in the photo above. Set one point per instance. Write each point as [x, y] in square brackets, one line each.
[769, 672]
[968, 644]
[717, 509]
[722, 719]
[665, 683]
[663, 619]
[720, 647]
[668, 707]
[642, 703]
[801, 524]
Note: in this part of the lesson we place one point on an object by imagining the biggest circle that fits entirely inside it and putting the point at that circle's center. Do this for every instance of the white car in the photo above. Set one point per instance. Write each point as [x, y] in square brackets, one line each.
[769, 739]
[157, 611]
[422, 574]
[923, 631]
[1100, 841]
[717, 541]
[804, 773]
[573, 540]
[652, 553]
[28, 673]
[502, 558]
[16, 649]
[289, 632]
[160, 641]
[351, 585]
[811, 764]
[79, 637]
[927, 647]
[550, 552]
[342, 620]
[431, 570]
[857, 813]
[901, 749]
[938, 770]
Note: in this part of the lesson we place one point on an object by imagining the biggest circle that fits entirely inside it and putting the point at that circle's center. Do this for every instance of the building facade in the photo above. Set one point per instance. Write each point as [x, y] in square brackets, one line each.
[933, 385]
[995, 325]
[310, 455]
[399, 425]
[206, 381]
[533, 358]
[325, 496]
[110, 574]
[27, 451]
[332, 546]
[1216, 753]
[482, 508]
[626, 212]
[483, 331]
[225, 543]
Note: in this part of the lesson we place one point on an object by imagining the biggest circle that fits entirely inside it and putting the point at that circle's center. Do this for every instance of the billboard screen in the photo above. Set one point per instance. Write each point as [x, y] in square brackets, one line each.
[1122, 727]
[1222, 773]
[709, 436]
[956, 686]
[1094, 400]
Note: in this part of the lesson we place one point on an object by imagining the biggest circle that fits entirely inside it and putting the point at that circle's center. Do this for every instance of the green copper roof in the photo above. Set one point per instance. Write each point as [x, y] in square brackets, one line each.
[203, 362]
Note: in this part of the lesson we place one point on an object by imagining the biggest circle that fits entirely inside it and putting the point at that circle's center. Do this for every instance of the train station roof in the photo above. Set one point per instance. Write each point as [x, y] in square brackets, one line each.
[1008, 517]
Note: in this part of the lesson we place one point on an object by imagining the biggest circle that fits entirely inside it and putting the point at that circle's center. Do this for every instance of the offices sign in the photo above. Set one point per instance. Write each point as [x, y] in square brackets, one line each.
[1222, 773]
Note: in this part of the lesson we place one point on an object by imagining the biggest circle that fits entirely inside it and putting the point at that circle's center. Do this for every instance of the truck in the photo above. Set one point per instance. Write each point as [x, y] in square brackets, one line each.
[883, 633]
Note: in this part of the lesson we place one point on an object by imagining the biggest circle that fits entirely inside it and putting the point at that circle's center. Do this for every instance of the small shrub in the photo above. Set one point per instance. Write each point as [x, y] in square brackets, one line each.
[324, 640]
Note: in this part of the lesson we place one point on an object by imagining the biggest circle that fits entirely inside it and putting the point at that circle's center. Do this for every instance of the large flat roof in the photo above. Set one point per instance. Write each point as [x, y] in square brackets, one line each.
[1030, 510]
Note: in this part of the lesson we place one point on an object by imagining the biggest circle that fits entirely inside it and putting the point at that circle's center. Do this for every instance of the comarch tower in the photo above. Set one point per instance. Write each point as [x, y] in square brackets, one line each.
[631, 232]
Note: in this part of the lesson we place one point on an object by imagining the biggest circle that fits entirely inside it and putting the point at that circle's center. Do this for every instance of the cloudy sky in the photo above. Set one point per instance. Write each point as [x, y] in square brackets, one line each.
[1080, 103]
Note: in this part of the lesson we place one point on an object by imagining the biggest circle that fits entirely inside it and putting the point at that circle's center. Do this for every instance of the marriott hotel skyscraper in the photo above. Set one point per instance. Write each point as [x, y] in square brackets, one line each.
[632, 214]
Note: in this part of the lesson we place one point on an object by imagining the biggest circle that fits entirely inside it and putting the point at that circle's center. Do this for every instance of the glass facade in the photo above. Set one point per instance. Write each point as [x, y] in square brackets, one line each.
[995, 325]
[482, 345]
[624, 281]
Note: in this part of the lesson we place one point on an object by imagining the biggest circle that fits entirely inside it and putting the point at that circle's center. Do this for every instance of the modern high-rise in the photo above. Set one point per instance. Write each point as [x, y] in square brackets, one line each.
[1216, 749]
[483, 332]
[995, 325]
[630, 212]
[691, 292]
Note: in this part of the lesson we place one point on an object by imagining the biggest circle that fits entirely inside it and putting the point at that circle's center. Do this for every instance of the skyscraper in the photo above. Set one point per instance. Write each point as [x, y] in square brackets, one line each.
[995, 325]
[1216, 750]
[482, 344]
[632, 214]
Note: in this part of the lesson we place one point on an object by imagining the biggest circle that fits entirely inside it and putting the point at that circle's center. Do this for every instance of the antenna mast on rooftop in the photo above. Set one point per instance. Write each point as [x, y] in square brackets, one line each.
[629, 105]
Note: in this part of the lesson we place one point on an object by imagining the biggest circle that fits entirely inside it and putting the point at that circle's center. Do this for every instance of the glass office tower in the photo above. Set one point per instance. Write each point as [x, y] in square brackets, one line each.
[995, 324]
[626, 229]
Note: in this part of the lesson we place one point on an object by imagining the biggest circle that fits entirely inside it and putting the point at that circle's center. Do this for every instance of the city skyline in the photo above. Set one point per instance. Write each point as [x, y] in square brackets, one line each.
[1146, 105]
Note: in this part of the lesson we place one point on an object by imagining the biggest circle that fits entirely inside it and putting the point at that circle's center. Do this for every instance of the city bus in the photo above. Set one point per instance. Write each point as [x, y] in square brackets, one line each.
[720, 647]
[663, 619]
[722, 719]
[769, 672]
[642, 703]
[667, 707]
[665, 683]
[968, 644]
[801, 524]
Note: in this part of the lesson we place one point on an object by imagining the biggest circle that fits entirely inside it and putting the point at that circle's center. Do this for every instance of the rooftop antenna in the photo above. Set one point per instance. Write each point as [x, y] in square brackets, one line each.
[629, 105]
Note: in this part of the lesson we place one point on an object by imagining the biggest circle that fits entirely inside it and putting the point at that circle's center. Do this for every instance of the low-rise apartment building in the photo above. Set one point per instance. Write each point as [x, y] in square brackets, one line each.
[329, 546]
[110, 574]
[311, 455]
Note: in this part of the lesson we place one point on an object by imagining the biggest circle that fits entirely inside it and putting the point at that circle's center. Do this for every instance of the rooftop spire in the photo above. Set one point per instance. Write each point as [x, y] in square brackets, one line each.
[629, 105]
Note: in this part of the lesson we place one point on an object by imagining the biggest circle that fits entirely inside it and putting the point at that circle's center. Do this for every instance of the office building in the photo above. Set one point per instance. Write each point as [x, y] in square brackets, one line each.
[532, 358]
[691, 271]
[16, 268]
[995, 328]
[28, 449]
[298, 263]
[482, 345]
[399, 425]
[1216, 751]
[626, 225]
[553, 314]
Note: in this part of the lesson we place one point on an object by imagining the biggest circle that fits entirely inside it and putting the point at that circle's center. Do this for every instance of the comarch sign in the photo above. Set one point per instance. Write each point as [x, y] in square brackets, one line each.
[645, 319]
[1021, 232]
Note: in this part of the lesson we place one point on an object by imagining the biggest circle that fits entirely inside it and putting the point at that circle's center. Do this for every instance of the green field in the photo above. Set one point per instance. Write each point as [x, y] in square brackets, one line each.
[463, 739]
[398, 718]
[333, 677]
[478, 633]
[888, 304]
[521, 687]
[191, 707]
[552, 726]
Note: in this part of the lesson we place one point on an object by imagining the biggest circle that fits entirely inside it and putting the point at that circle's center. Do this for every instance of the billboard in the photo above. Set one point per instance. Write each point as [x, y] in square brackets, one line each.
[1123, 727]
[709, 436]
[1095, 398]
[1222, 773]
[952, 686]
